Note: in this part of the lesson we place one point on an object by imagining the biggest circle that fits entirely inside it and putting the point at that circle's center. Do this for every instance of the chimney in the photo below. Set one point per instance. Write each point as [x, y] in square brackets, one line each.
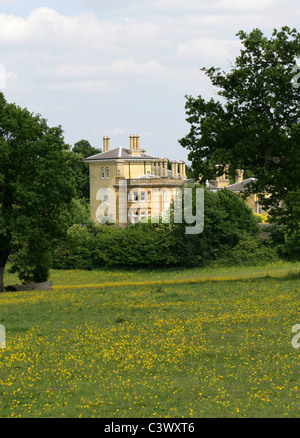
[174, 169]
[239, 176]
[137, 142]
[222, 180]
[106, 144]
[166, 167]
[131, 143]
[135, 145]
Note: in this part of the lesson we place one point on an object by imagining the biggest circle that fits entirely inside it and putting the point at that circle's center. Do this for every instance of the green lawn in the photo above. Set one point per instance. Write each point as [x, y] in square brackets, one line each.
[198, 343]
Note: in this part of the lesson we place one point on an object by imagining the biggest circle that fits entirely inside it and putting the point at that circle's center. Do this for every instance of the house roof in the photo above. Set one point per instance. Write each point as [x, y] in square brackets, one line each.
[119, 152]
[241, 186]
[236, 187]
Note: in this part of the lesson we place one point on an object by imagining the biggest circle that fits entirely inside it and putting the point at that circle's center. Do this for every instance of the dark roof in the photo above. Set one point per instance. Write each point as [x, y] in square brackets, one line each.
[119, 152]
[241, 186]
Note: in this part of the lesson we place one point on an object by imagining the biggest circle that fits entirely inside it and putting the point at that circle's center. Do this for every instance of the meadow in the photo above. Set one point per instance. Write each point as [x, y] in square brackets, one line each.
[152, 344]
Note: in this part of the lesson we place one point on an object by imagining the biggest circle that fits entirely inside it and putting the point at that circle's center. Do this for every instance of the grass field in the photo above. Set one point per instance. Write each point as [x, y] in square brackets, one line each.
[172, 343]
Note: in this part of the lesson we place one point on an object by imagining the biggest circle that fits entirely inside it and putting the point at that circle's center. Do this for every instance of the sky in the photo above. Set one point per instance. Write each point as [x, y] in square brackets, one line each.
[115, 67]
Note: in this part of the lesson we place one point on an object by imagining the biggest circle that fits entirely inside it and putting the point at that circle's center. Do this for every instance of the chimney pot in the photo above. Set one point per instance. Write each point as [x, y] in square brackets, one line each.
[106, 144]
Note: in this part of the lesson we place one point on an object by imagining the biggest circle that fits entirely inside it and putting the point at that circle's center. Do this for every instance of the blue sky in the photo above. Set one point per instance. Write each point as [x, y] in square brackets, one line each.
[110, 67]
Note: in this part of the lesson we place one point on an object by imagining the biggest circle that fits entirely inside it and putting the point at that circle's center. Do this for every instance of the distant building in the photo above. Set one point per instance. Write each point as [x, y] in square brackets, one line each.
[238, 187]
[141, 185]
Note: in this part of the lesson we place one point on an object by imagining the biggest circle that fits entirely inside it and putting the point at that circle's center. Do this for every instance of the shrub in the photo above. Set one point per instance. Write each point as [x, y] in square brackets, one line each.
[250, 251]
[227, 220]
[136, 245]
[76, 251]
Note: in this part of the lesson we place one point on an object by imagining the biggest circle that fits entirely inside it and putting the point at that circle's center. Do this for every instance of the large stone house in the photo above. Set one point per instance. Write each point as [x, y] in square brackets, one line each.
[128, 186]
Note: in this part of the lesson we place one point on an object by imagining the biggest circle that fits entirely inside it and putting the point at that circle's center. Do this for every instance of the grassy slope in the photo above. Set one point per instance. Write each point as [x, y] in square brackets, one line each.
[214, 348]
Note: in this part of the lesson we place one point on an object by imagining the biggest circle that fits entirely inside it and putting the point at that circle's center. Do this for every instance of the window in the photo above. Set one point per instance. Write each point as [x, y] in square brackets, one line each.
[102, 172]
[259, 209]
[143, 215]
[135, 196]
[107, 173]
[149, 196]
[135, 217]
[143, 196]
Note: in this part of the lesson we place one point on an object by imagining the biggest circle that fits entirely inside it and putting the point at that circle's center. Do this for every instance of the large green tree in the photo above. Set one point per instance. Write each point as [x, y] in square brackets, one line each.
[253, 124]
[36, 185]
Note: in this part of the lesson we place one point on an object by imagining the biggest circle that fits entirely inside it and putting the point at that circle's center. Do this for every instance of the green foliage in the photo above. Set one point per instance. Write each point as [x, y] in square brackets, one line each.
[81, 173]
[32, 262]
[77, 212]
[287, 242]
[81, 150]
[36, 186]
[84, 148]
[137, 245]
[255, 125]
[249, 251]
[93, 246]
[227, 221]
[288, 219]
[76, 251]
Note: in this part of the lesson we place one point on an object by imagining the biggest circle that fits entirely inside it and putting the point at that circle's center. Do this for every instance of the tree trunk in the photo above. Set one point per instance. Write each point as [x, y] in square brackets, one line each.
[3, 259]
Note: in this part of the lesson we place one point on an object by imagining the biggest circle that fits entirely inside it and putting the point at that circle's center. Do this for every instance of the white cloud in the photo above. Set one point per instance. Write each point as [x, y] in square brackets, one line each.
[246, 5]
[88, 86]
[134, 68]
[11, 75]
[12, 29]
[45, 27]
[120, 68]
[140, 56]
[209, 50]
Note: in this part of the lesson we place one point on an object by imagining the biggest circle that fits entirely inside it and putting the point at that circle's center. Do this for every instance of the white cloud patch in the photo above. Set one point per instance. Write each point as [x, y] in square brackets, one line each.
[122, 68]
[45, 27]
[142, 57]
[209, 50]
[246, 5]
[88, 86]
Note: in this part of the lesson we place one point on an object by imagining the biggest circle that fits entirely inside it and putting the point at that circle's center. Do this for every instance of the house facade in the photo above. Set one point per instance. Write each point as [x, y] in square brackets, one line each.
[238, 187]
[128, 186]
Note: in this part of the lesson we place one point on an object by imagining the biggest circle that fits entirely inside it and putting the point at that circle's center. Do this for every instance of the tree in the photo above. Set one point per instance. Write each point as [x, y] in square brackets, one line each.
[82, 149]
[254, 124]
[227, 221]
[36, 185]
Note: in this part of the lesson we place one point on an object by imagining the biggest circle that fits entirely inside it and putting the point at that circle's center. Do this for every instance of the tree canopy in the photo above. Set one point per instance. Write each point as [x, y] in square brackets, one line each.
[254, 123]
[36, 186]
[82, 149]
